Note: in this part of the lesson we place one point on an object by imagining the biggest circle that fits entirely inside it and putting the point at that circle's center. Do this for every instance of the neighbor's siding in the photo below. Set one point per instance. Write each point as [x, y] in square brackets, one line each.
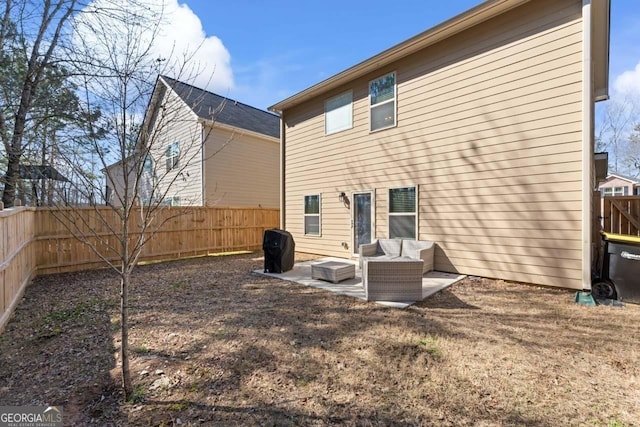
[488, 127]
[178, 123]
[241, 170]
[617, 182]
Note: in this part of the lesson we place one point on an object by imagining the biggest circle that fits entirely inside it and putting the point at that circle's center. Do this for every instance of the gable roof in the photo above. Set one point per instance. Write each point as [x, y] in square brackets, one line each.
[227, 111]
[633, 181]
[35, 172]
[474, 16]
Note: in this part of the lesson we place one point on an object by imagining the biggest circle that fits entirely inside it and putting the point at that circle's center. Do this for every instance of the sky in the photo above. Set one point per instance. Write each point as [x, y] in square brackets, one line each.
[263, 52]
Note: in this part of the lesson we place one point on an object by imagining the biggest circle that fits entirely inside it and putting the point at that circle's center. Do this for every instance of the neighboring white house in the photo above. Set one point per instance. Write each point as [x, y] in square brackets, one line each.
[619, 185]
[206, 150]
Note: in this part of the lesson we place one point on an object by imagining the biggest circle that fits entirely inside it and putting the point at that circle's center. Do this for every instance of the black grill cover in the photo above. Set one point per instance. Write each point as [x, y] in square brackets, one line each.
[279, 248]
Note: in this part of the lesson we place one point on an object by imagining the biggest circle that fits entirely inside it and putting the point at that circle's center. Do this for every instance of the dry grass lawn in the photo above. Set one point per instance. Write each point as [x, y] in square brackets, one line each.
[213, 344]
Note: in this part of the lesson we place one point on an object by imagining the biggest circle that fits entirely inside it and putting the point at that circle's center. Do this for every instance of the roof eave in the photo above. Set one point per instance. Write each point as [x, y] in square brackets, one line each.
[241, 130]
[601, 47]
[461, 22]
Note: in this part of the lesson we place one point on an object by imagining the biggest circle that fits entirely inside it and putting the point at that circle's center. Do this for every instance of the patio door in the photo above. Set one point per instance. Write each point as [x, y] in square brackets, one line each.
[362, 219]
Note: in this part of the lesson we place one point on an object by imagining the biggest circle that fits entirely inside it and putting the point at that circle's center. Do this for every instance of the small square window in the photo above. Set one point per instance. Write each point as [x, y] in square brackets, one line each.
[338, 113]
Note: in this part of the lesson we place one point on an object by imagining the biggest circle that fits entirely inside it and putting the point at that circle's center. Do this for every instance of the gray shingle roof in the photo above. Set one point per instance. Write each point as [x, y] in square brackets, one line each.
[35, 172]
[233, 113]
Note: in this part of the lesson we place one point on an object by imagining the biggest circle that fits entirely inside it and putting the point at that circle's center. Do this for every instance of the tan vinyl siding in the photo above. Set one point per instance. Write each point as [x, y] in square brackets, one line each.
[489, 129]
[178, 124]
[244, 172]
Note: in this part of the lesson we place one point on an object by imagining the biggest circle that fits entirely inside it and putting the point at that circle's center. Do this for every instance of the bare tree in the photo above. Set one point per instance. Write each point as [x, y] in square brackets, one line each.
[614, 129]
[114, 58]
[633, 151]
[48, 19]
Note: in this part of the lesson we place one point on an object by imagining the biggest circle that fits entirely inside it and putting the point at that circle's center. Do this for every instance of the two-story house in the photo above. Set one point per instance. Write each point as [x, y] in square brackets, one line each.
[204, 150]
[476, 134]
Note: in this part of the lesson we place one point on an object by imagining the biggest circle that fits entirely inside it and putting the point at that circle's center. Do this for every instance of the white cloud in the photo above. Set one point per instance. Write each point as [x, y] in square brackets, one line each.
[179, 37]
[628, 83]
[183, 34]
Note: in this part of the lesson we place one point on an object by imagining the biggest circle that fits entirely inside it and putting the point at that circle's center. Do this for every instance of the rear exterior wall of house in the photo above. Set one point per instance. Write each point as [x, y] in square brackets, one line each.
[488, 130]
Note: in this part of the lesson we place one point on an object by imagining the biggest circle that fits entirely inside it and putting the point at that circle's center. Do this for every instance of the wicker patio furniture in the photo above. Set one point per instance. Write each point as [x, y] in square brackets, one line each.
[333, 271]
[398, 279]
[393, 248]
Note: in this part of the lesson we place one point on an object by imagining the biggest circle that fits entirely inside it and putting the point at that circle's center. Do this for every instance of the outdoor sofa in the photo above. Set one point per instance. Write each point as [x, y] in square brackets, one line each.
[390, 249]
[392, 269]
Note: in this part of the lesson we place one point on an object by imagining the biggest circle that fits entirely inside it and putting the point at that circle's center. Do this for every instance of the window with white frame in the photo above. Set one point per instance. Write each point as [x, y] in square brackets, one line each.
[148, 165]
[403, 217]
[382, 102]
[312, 215]
[171, 201]
[173, 155]
[615, 191]
[338, 113]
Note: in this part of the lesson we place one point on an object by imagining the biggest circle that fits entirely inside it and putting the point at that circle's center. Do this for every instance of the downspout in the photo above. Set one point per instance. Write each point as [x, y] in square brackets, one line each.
[282, 171]
[203, 178]
[587, 144]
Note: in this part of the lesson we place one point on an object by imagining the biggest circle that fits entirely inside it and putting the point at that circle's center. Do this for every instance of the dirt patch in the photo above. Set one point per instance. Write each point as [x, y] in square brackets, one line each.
[214, 344]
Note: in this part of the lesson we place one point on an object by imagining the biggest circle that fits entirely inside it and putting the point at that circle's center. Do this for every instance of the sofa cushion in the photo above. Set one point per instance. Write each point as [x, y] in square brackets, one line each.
[390, 247]
[411, 247]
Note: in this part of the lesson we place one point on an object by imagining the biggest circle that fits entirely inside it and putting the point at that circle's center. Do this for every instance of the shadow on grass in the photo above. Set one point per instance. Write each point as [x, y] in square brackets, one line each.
[58, 348]
[251, 346]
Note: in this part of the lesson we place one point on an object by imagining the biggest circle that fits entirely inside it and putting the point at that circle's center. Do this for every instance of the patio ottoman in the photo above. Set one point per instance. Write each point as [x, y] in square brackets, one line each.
[397, 279]
[333, 271]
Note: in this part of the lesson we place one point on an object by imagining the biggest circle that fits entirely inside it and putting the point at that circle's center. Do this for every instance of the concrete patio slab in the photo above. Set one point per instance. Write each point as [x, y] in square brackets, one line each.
[432, 282]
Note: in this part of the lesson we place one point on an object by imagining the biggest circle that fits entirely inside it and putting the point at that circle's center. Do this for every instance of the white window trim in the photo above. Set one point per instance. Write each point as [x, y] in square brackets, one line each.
[395, 100]
[175, 156]
[319, 215]
[617, 191]
[350, 126]
[390, 214]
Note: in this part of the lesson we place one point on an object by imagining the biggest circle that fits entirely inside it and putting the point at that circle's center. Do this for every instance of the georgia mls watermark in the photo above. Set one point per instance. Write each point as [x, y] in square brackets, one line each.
[30, 416]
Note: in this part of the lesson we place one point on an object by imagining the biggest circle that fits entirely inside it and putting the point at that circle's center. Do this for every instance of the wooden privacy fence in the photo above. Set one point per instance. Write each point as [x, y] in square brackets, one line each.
[17, 259]
[622, 215]
[38, 241]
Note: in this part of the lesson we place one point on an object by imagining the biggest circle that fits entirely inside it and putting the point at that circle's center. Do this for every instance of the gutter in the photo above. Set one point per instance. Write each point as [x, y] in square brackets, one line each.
[282, 171]
[587, 144]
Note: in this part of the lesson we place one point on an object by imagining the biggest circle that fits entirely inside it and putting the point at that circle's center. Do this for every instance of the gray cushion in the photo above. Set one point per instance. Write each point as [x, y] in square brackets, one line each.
[390, 247]
[410, 247]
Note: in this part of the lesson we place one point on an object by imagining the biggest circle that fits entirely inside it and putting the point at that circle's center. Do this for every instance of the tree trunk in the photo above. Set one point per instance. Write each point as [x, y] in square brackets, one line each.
[10, 180]
[124, 348]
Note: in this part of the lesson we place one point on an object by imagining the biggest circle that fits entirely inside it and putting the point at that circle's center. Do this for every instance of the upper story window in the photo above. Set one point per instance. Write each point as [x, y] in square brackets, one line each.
[148, 165]
[173, 155]
[382, 102]
[338, 113]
